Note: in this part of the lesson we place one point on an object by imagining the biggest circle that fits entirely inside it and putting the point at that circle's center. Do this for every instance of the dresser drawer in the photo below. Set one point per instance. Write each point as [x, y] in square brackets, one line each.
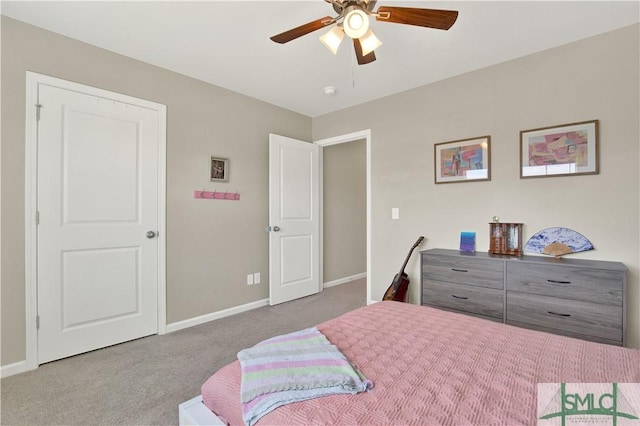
[570, 316]
[461, 270]
[603, 286]
[471, 314]
[477, 300]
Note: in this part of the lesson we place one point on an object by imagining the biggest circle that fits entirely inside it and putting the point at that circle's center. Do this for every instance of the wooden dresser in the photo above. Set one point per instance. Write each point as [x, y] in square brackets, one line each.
[573, 297]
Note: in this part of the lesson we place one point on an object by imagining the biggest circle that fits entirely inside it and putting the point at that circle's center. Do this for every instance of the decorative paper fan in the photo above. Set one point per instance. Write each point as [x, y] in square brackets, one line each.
[558, 242]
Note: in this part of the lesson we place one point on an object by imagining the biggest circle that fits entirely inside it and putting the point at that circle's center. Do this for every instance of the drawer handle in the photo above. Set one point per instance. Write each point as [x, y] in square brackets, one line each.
[559, 282]
[459, 297]
[558, 315]
[459, 270]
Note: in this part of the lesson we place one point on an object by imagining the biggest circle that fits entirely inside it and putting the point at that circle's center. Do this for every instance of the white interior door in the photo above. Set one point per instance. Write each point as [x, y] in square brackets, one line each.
[97, 201]
[294, 219]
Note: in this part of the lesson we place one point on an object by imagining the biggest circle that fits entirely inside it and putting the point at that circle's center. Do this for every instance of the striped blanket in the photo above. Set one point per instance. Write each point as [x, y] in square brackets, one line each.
[294, 367]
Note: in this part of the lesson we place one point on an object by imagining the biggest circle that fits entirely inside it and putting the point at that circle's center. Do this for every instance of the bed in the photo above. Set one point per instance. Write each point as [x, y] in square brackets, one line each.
[430, 366]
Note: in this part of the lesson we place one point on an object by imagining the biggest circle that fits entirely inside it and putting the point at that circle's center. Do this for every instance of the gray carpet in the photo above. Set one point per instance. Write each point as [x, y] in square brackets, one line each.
[143, 381]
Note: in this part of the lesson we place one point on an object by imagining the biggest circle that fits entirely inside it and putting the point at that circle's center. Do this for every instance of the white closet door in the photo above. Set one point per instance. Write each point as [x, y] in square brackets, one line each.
[98, 221]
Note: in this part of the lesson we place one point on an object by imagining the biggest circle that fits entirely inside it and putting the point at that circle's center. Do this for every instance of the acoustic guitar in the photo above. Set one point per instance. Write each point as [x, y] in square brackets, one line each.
[398, 289]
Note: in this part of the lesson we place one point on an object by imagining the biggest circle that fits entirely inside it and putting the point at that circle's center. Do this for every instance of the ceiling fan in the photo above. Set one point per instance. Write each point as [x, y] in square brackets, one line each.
[353, 20]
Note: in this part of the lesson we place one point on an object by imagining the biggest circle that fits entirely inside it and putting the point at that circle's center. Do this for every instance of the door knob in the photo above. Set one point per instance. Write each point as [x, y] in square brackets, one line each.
[151, 234]
[276, 228]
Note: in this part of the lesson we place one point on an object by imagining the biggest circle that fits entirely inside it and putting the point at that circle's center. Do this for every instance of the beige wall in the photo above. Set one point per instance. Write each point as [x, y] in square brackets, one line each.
[344, 210]
[596, 78]
[211, 245]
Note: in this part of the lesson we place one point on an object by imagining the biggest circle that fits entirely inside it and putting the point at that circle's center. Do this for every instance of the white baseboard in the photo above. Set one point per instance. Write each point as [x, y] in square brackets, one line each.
[216, 315]
[247, 307]
[12, 369]
[344, 280]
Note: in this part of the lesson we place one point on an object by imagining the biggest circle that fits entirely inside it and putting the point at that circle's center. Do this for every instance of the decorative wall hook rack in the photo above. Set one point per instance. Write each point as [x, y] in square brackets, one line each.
[216, 195]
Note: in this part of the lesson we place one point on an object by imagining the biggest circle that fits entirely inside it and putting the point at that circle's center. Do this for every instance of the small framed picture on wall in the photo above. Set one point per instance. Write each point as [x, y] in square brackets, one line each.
[219, 169]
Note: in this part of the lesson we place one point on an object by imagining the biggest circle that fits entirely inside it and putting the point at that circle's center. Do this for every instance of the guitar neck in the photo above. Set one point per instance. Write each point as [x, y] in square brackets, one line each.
[404, 265]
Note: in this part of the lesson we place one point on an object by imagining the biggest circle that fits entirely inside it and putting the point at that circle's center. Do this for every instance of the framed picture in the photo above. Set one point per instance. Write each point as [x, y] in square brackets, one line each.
[463, 161]
[219, 169]
[565, 150]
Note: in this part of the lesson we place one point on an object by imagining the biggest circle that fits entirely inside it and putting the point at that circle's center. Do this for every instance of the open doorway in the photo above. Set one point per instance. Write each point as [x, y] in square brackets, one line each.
[345, 196]
[344, 212]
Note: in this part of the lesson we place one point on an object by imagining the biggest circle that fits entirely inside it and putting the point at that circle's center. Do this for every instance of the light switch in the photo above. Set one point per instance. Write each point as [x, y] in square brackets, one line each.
[250, 279]
[256, 278]
[395, 213]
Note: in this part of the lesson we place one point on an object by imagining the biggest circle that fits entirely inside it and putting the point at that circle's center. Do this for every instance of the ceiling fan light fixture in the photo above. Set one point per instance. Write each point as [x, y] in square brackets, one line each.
[332, 39]
[353, 20]
[369, 42]
[356, 22]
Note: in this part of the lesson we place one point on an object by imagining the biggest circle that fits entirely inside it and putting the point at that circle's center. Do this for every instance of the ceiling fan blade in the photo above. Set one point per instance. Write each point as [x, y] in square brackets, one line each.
[362, 59]
[430, 18]
[294, 33]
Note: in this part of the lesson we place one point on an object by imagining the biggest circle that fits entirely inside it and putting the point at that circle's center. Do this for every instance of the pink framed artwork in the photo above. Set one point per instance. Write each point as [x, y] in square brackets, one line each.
[564, 150]
[463, 160]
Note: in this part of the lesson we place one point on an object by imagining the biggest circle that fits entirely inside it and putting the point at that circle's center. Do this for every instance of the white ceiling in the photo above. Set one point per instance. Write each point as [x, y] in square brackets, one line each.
[227, 43]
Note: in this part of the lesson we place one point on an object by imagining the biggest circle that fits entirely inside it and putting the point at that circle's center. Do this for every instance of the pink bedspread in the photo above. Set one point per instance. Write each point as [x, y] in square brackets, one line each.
[435, 367]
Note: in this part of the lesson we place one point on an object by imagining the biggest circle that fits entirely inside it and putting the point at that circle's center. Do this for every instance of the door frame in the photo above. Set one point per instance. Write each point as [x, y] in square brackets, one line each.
[349, 137]
[31, 200]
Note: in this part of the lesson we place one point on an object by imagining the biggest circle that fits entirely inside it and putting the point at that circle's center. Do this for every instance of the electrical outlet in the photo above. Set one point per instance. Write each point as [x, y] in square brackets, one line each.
[256, 278]
[250, 279]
